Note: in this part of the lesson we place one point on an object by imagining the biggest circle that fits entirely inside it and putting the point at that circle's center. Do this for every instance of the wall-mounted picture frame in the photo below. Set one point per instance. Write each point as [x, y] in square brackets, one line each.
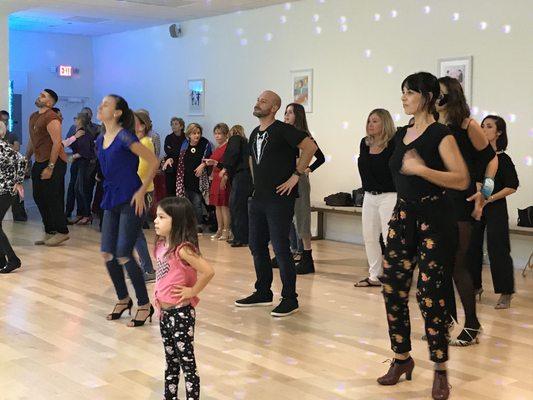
[302, 88]
[196, 96]
[459, 68]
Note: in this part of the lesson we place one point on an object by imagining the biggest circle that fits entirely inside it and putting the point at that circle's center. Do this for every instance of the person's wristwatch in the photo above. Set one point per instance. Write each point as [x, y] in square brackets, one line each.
[51, 166]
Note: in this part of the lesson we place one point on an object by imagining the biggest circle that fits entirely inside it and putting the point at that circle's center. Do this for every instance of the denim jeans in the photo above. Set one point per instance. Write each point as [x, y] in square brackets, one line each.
[120, 230]
[80, 187]
[297, 246]
[71, 191]
[49, 196]
[241, 188]
[270, 221]
[141, 247]
[197, 202]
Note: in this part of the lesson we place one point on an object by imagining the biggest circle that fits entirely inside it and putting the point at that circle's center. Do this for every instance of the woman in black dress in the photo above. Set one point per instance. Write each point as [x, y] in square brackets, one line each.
[482, 164]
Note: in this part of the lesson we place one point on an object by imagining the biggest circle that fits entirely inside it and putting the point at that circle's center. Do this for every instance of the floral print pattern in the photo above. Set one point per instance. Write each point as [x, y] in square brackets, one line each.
[177, 331]
[416, 238]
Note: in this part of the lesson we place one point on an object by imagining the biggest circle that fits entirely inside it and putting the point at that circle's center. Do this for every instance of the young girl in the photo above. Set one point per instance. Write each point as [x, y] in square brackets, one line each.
[176, 289]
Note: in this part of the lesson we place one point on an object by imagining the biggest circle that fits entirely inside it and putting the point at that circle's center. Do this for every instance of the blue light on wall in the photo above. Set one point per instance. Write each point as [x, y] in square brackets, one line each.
[10, 98]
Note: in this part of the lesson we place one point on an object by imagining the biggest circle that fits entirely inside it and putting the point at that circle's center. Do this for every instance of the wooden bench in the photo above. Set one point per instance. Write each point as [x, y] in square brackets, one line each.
[322, 208]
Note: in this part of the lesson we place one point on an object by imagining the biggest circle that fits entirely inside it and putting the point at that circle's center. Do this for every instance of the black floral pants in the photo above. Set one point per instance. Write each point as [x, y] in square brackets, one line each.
[177, 331]
[422, 234]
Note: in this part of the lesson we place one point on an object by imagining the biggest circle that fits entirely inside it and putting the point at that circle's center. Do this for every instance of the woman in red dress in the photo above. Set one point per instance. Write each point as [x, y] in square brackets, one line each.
[219, 192]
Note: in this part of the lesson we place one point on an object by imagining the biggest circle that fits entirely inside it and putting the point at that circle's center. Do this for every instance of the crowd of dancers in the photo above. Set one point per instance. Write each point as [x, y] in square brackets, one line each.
[431, 189]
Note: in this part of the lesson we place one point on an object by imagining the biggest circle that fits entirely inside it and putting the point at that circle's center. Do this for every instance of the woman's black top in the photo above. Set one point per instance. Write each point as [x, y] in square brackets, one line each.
[374, 168]
[236, 156]
[506, 177]
[173, 145]
[193, 159]
[469, 153]
[319, 158]
[411, 187]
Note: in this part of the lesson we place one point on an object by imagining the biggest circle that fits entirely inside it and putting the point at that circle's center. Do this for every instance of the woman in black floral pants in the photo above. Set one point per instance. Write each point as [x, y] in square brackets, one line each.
[422, 231]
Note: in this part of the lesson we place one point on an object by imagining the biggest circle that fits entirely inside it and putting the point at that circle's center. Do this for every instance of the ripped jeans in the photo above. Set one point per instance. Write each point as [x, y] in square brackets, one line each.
[120, 229]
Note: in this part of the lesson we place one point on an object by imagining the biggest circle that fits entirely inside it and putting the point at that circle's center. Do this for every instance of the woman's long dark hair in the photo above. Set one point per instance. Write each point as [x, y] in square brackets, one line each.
[184, 224]
[456, 105]
[300, 120]
[501, 126]
[127, 118]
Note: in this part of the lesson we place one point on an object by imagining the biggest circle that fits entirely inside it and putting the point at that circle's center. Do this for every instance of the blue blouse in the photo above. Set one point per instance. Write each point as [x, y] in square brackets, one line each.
[119, 168]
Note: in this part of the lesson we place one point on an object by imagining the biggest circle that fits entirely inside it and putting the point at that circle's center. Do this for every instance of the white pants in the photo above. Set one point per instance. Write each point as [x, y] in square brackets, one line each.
[377, 211]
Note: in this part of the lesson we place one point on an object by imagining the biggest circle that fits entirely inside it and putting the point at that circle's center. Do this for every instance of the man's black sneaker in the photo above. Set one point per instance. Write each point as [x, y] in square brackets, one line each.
[254, 300]
[285, 307]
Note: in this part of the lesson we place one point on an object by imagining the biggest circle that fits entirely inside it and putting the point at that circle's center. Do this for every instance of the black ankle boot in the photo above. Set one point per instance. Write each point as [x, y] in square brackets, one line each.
[306, 266]
[10, 266]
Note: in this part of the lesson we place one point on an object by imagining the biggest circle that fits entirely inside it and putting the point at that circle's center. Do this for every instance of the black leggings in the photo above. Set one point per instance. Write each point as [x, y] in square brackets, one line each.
[6, 251]
[420, 234]
[462, 277]
[177, 331]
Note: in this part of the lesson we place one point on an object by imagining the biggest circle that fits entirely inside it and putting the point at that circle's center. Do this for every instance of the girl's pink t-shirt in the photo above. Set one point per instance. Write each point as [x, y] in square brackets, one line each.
[171, 270]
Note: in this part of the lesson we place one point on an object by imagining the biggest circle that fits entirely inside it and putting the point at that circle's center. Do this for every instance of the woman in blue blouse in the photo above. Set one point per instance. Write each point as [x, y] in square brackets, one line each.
[123, 203]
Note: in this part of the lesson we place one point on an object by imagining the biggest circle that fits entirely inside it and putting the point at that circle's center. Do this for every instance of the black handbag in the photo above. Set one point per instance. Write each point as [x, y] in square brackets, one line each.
[340, 199]
[358, 197]
[525, 217]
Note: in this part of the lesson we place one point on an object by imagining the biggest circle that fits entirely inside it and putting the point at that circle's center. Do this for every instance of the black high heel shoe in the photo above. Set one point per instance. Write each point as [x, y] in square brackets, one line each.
[140, 322]
[116, 315]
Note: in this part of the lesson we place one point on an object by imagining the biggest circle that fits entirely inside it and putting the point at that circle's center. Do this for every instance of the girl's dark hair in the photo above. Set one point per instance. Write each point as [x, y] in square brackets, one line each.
[127, 118]
[501, 126]
[427, 85]
[456, 105]
[184, 224]
[300, 120]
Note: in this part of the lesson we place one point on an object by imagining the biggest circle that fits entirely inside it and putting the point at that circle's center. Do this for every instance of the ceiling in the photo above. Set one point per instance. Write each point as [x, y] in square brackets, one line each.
[101, 17]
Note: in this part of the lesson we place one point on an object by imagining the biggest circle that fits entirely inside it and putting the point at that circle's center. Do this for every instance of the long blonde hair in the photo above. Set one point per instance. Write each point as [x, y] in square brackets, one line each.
[237, 130]
[388, 131]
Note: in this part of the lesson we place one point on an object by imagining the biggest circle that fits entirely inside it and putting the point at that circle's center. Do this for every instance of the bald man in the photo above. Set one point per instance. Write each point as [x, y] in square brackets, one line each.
[276, 168]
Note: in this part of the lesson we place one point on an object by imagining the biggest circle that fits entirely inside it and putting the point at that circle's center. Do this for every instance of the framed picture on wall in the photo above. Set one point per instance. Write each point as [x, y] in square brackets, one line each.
[196, 96]
[459, 68]
[302, 88]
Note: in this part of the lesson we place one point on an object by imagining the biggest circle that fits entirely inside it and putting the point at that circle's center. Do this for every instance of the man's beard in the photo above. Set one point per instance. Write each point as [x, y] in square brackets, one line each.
[39, 104]
[259, 113]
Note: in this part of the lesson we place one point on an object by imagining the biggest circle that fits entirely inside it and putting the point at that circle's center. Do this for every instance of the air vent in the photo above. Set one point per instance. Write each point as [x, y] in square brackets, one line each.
[160, 3]
[86, 20]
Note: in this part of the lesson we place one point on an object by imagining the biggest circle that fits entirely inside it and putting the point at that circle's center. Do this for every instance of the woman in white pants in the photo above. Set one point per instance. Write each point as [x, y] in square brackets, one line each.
[380, 194]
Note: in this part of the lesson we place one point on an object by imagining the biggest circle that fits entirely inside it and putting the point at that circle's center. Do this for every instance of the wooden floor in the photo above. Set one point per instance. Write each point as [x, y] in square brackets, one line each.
[55, 342]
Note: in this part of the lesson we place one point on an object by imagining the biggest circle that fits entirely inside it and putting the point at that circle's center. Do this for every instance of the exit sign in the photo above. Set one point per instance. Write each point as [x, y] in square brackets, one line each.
[65, 71]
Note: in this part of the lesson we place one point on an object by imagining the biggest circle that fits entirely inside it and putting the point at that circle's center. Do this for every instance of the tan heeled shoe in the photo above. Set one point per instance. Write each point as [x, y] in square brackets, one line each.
[226, 234]
[217, 235]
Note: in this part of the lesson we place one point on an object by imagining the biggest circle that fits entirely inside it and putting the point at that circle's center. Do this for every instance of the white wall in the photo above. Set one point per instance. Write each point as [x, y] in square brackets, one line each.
[4, 66]
[150, 69]
[31, 57]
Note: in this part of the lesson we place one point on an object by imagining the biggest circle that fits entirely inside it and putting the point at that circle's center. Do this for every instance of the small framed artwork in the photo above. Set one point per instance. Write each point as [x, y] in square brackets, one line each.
[459, 68]
[196, 96]
[302, 88]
